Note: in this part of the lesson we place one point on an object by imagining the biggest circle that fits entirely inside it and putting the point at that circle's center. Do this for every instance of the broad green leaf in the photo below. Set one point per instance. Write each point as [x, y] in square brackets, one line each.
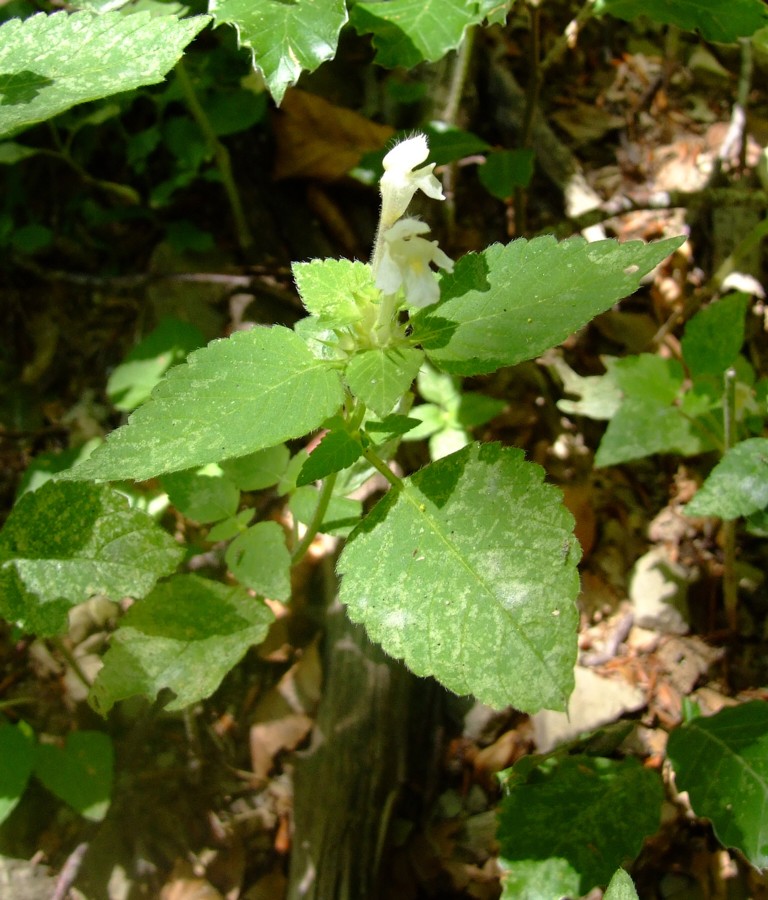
[340, 518]
[505, 170]
[510, 303]
[722, 761]
[447, 143]
[643, 427]
[185, 636]
[737, 486]
[203, 495]
[336, 451]
[66, 542]
[79, 772]
[50, 63]
[45, 465]
[332, 289]
[380, 377]
[244, 393]
[599, 395]
[259, 559]
[468, 573]
[649, 377]
[17, 757]
[285, 38]
[131, 383]
[229, 528]
[714, 336]
[258, 470]
[573, 822]
[717, 20]
[408, 32]
[477, 409]
[621, 887]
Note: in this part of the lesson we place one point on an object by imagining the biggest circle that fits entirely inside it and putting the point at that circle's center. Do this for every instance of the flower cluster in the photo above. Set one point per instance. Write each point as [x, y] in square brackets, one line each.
[402, 256]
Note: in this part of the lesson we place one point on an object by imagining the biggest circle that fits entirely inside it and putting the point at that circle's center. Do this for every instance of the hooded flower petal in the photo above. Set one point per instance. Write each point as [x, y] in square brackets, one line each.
[401, 179]
[406, 260]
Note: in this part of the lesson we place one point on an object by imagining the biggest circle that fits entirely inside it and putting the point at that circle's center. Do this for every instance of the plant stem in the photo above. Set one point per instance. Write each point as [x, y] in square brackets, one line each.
[531, 104]
[221, 155]
[730, 581]
[69, 656]
[382, 467]
[326, 492]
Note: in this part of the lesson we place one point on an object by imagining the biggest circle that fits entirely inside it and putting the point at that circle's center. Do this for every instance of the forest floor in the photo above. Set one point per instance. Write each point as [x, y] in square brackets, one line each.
[202, 804]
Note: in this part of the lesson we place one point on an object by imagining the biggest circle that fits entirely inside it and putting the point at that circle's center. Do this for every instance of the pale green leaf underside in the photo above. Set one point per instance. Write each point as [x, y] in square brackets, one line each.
[286, 38]
[469, 574]
[621, 887]
[66, 542]
[717, 20]
[407, 32]
[185, 636]
[50, 63]
[247, 392]
[738, 485]
[328, 288]
[380, 377]
[510, 303]
[722, 761]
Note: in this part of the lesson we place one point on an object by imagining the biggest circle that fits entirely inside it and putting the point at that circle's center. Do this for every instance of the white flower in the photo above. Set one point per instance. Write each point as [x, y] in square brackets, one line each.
[401, 179]
[405, 262]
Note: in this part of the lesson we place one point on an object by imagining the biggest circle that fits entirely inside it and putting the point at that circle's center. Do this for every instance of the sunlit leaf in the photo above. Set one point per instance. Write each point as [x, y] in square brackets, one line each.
[717, 20]
[738, 485]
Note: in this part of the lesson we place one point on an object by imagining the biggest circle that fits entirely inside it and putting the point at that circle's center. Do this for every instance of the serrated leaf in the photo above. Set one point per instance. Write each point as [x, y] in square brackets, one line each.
[380, 377]
[329, 287]
[408, 32]
[717, 20]
[469, 574]
[722, 761]
[336, 451]
[50, 63]
[258, 470]
[621, 887]
[604, 810]
[391, 426]
[203, 495]
[66, 542]
[510, 303]
[714, 336]
[737, 486]
[185, 636]
[80, 772]
[285, 38]
[260, 560]
[244, 393]
[17, 752]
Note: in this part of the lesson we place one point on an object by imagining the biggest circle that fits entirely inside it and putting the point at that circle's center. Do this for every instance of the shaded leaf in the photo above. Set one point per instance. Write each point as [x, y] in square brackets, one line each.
[185, 636]
[258, 470]
[469, 574]
[285, 38]
[722, 761]
[340, 518]
[260, 560]
[66, 542]
[49, 63]
[714, 336]
[737, 486]
[80, 772]
[510, 303]
[203, 495]
[717, 20]
[244, 393]
[380, 377]
[505, 170]
[17, 753]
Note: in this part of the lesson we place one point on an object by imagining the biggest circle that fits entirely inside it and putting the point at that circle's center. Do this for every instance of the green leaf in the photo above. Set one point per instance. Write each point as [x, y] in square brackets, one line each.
[714, 336]
[229, 528]
[340, 518]
[80, 772]
[17, 752]
[737, 486]
[185, 636]
[330, 288]
[447, 143]
[604, 810]
[247, 392]
[468, 573]
[12, 153]
[50, 63]
[285, 37]
[66, 542]
[408, 32]
[380, 377]
[477, 409]
[717, 20]
[258, 470]
[203, 495]
[599, 395]
[336, 451]
[510, 303]
[131, 383]
[505, 170]
[722, 761]
[649, 377]
[259, 559]
[390, 426]
[621, 887]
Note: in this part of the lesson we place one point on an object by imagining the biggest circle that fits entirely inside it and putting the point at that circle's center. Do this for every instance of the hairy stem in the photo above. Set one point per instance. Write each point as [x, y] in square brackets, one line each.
[326, 492]
[730, 581]
[382, 468]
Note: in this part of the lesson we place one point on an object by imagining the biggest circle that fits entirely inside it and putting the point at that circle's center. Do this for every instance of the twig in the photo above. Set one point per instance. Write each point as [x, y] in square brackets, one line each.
[568, 38]
[730, 582]
[69, 872]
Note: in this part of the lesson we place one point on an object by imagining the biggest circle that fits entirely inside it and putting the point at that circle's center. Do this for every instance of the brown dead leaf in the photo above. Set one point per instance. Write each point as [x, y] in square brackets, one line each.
[267, 739]
[316, 139]
[184, 885]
